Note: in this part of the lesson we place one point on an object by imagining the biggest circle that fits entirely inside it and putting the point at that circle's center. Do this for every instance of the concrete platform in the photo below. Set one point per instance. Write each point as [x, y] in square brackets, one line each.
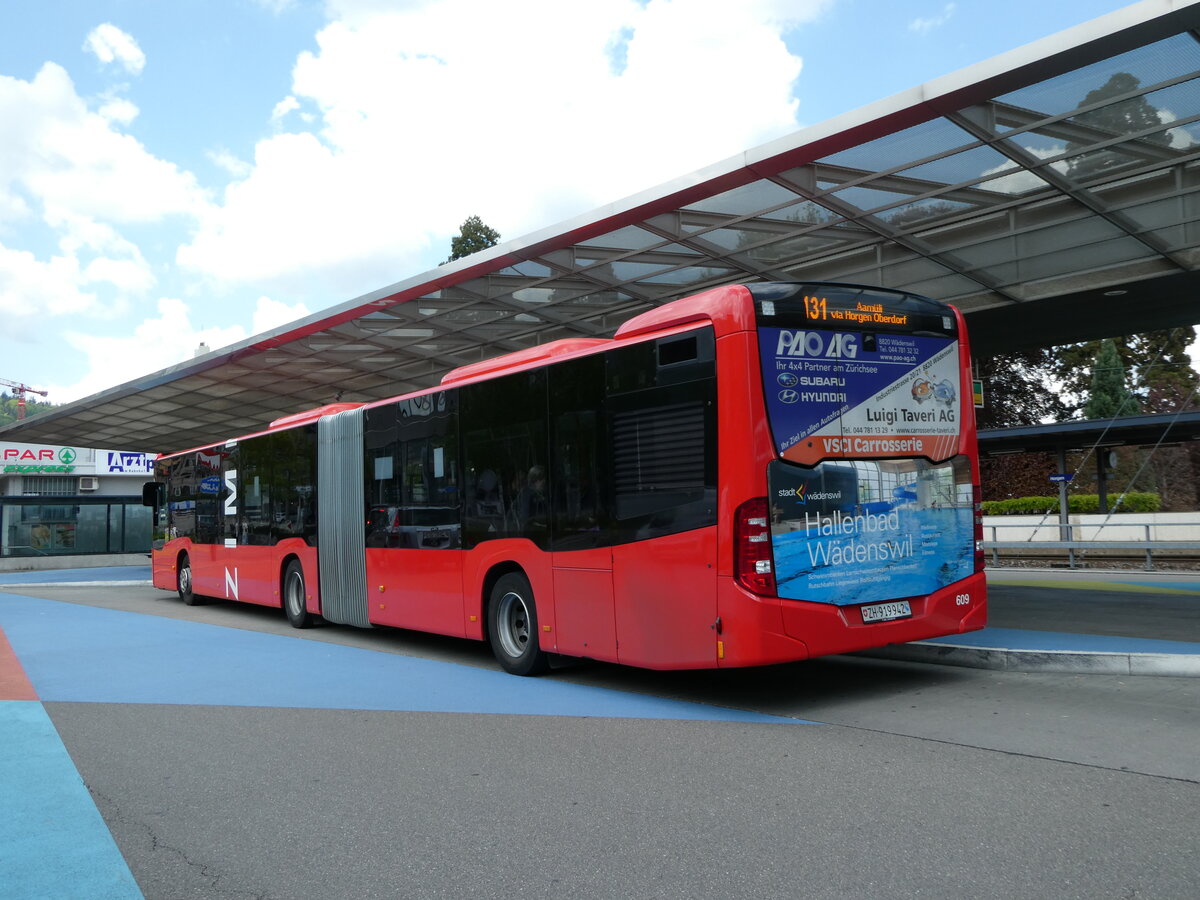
[1099, 622]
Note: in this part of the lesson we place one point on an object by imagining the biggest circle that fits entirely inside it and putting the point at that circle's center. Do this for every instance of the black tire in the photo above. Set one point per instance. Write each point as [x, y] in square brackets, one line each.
[293, 596]
[183, 582]
[513, 626]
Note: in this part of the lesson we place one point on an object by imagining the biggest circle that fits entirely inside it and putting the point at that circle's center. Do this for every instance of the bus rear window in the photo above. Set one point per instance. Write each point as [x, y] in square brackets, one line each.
[870, 530]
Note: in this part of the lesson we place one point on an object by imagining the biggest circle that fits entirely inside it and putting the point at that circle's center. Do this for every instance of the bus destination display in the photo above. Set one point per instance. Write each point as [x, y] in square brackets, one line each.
[857, 312]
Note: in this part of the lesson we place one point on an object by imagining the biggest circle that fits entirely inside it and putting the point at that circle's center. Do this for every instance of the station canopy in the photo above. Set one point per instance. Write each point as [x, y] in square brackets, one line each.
[1051, 193]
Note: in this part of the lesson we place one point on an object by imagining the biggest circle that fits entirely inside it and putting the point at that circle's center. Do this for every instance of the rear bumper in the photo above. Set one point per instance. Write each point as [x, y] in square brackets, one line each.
[763, 630]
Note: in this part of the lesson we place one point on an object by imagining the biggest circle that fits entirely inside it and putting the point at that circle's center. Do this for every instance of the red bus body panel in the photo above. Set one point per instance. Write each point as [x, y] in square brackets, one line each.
[417, 589]
[247, 573]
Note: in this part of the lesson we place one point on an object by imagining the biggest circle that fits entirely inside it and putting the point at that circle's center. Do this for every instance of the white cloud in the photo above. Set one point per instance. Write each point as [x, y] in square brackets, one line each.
[283, 107]
[270, 314]
[161, 341]
[73, 162]
[118, 111]
[110, 44]
[926, 25]
[29, 286]
[539, 111]
[71, 179]
[95, 273]
[275, 6]
[230, 163]
[157, 343]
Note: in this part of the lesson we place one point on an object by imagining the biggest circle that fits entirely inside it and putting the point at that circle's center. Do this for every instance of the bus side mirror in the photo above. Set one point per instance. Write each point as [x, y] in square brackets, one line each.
[154, 494]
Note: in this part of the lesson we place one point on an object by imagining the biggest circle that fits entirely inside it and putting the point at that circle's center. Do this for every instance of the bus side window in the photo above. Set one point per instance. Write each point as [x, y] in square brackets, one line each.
[504, 440]
[578, 476]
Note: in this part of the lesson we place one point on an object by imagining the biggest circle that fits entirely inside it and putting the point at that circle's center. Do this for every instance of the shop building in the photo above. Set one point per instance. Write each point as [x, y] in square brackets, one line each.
[71, 501]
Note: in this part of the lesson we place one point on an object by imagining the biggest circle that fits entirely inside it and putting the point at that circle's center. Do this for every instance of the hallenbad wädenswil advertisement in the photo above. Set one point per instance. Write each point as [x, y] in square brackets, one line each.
[870, 530]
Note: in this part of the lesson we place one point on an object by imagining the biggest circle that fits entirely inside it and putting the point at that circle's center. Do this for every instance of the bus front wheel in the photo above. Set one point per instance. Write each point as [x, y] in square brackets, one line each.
[184, 582]
[294, 597]
[513, 626]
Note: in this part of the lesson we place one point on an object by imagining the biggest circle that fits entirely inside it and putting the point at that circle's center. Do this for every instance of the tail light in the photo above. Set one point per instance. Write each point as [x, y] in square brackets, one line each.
[977, 505]
[752, 547]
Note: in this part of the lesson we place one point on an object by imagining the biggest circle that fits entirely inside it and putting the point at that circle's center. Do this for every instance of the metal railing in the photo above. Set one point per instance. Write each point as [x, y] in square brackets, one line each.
[1070, 540]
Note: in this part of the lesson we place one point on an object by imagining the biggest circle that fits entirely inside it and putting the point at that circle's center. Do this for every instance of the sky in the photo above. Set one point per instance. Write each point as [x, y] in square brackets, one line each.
[182, 171]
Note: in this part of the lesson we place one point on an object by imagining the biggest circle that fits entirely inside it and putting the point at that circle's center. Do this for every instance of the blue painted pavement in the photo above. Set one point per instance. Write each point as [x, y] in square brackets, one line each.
[53, 841]
[85, 654]
[1170, 585]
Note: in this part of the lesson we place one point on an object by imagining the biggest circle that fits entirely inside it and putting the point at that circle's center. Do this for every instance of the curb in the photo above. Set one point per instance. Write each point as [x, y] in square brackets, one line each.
[1079, 662]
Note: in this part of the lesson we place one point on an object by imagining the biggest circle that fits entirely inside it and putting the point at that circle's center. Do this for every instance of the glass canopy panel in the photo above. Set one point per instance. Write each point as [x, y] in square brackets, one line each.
[910, 271]
[526, 269]
[738, 238]
[1079, 260]
[1171, 58]
[932, 138]
[1079, 233]
[629, 238]
[691, 275]
[865, 199]
[922, 212]
[800, 214]
[1016, 184]
[836, 266]
[599, 300]
[969, 165]
[534, 295]
[624, 270]
[790, 248]
[804, 213]
[750, 199]
[1107, 162]
[941, 287]
[668, 250]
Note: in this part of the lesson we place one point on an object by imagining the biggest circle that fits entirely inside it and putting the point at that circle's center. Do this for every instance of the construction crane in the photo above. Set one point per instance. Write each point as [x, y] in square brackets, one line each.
[19, 391]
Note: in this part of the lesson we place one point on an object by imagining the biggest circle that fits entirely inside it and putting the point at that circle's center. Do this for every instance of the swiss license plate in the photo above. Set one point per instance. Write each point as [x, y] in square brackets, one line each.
[882, 612]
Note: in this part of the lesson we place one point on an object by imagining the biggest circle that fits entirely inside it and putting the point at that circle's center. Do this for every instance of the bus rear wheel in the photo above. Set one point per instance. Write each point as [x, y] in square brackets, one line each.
[183, 582]
[294, 596]
[513, 626]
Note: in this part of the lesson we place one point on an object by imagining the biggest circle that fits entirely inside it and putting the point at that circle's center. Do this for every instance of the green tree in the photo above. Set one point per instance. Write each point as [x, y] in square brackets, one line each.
[1019, 389]
[1158, 369]
[1108, 396]
[471, 238]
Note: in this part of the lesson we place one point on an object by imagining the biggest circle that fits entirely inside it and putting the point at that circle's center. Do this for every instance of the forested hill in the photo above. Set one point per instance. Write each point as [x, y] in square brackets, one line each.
[8, 408]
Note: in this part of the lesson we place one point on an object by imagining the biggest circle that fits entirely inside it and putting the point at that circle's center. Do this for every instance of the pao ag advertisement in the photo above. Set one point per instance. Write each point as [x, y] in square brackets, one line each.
[854, 395]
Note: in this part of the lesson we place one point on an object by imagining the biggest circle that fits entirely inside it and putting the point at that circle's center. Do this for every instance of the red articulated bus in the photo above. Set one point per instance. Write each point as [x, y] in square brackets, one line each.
[756, 474]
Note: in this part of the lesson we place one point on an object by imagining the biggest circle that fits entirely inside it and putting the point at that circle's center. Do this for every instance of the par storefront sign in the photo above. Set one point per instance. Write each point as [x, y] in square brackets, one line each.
[50, 459]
